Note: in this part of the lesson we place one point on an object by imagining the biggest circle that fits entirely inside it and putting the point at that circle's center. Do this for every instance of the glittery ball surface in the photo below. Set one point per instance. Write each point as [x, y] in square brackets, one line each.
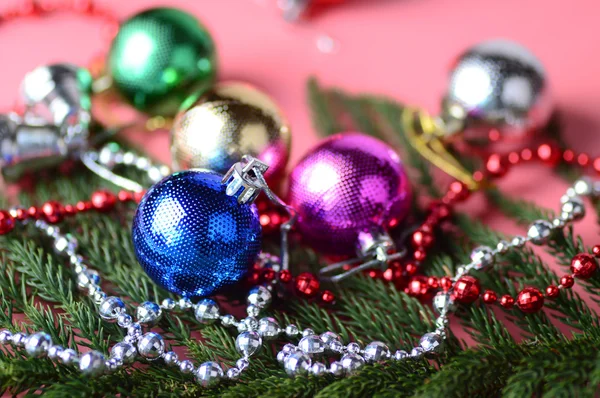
[191, 238]
[349, 183]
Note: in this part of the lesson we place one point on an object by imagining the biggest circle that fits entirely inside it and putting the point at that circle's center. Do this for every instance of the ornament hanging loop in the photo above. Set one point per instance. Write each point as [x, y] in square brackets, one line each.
[245, 180]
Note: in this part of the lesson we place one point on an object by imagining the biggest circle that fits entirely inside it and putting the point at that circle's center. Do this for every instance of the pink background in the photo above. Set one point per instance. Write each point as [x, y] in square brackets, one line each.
[400, 48]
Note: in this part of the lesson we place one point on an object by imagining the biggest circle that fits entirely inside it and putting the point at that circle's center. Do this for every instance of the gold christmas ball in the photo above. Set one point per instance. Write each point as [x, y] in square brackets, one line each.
[215, 129]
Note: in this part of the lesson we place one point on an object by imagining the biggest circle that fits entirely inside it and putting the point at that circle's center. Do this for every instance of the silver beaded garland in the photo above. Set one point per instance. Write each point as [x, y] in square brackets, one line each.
[37, 344]
[92, 363]
[268, 328]
[148, 313]
[171, 358]
[248, 343]
[124, 352]
[259, 296]
[431, 342]
[186, 367]
[297, 363]
[376, 351]
[151, 346]
[311, 344]
[352, 362]
[110, 308]
[539, 231]
[209, 374]
[482, 257]
[206, 311]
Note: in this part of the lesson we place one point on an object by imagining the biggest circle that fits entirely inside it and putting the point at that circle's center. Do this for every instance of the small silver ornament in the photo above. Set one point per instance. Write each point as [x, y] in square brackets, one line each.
[110, 308]
[502, 246]
[501, 84]
[353, 348]
[400, 355]
[168, 304]
[68, 356]
[431, 343]
[352, 362]
[248, 324]
[252, 310]
[336, 368]
[259, 296]
[242, 363]
[281, 356]
[124, 320]
[186, 366]
[248, 343]
[55, 351]
[291, 330]
[151, 346]
[148, 313]
[311, 344]
[307, 332]
[134, 330]
[539, 231]
[268, 328]
[518, 241]
[184, 303]
[289, 348]
[482, 257]
[376, 351]
[228, 320]
[297, 363]
[92, 363]
[329, 337]
[206, 311]
[318, 368]
[417, 352]
[209, 374]
[171, 358]
[37, 344]
[124, 352]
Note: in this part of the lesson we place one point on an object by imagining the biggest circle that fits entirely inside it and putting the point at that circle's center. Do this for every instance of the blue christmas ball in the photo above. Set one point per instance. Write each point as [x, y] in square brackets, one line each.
[191, 238]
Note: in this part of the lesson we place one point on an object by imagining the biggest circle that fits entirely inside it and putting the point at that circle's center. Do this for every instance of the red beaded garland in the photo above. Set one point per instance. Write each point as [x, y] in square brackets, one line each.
[490, 297]
[52, 211]
[103, 200]
[422, 239]
[285, 276]
[530, 300]
[327, 297]
[7, 222]
[596, 250]
[446, 283]
[419, 288]
[552, 291]
[567, 281]
[466, 290]
[507, 301]
[307, 284]
[583, 266]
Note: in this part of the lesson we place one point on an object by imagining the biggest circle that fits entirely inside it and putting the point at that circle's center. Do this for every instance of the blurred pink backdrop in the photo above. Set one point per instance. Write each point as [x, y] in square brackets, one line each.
[399, 48]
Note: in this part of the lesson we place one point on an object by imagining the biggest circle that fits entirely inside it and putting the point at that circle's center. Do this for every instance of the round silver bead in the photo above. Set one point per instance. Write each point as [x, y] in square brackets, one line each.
[184, 303]
[186, 366]
[148, 313]
[168, 304]
[92, 363]
[5, 336]
[297, 363]
[36, 345]
[209, 374]
[252, 310]
[65, 244]
[124, 320]
[248, 324]
[329, 337]
[518, 241]
[98, 296]
[308, 332]
[539, 231]
[558, 223]
[206, 311]
[124, 352]
[353, 348]
[151, 346]
[400, 355]
[68, 356]
[268, 328]
[417, 352]
[233, 373]
[311, 344]
[281, 356]
[318, 369]
[291, 330]
[443, 302]
[336, 368]
[376, 351]
[171, 358]
[242, 363]
[18, 339]
[111, 365]
[54, 352]
[288, 348]
[431, 343]
[336, 346]
[228, 320]
[352, 362]
[584, 186]
[259, 296]
[248, 343]
[573, 209]
[482, 257]
[503, 246]
[134, 330]
[110, 308]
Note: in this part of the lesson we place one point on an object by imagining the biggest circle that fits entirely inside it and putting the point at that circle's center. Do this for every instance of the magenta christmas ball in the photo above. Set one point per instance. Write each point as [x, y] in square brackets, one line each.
[349, 183]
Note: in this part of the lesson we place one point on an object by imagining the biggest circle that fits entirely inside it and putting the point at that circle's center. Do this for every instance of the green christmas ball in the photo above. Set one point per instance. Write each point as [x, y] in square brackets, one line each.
[159, 57]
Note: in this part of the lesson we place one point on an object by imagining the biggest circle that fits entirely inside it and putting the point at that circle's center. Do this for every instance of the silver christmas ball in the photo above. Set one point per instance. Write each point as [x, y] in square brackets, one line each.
[206, 311]
[124, 352]
[68, 356]
[92, 363]
[259, 296]
[5, 336]
[443, 301]
[311, 344]
[500, 84]
[336, 368]
[539, 231]
[482, 257]
[352, 362]
[37, 344]
[248, 343]
[110, 308]
[431, 343]
[186, 366]
[376, 351]
[171, 358]
[268, 328]
[297, 363]
[148, 313]
[151, 346]
[400, 355]
[209, 374]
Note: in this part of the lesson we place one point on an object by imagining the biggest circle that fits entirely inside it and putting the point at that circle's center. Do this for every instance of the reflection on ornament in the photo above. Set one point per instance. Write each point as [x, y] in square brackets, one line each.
[347, 187]
[213, 131]
[159, 57]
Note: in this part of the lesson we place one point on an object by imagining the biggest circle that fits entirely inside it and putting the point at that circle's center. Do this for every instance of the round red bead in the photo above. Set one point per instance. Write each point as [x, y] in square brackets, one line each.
[393, 274]
[419, 255]
[466, 290]
[125, 196]
[433, 282]
[552, 291]
[7, 222]
[567, 281]
[446, 283]
[33, 212]
[460, 190]
[285, 276]
[596, 250]
[441, 210]
[490, 297]
[103, 200]
[70, 210]
[253, 277]
[549, 154]
[53, 211]
[507, 301]
[496, 165]
[530, 300]
[418, 287]
[268, 274]
[328, 297]
[422, 239]
[411, 268]
[307, 284]
[584, 266]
